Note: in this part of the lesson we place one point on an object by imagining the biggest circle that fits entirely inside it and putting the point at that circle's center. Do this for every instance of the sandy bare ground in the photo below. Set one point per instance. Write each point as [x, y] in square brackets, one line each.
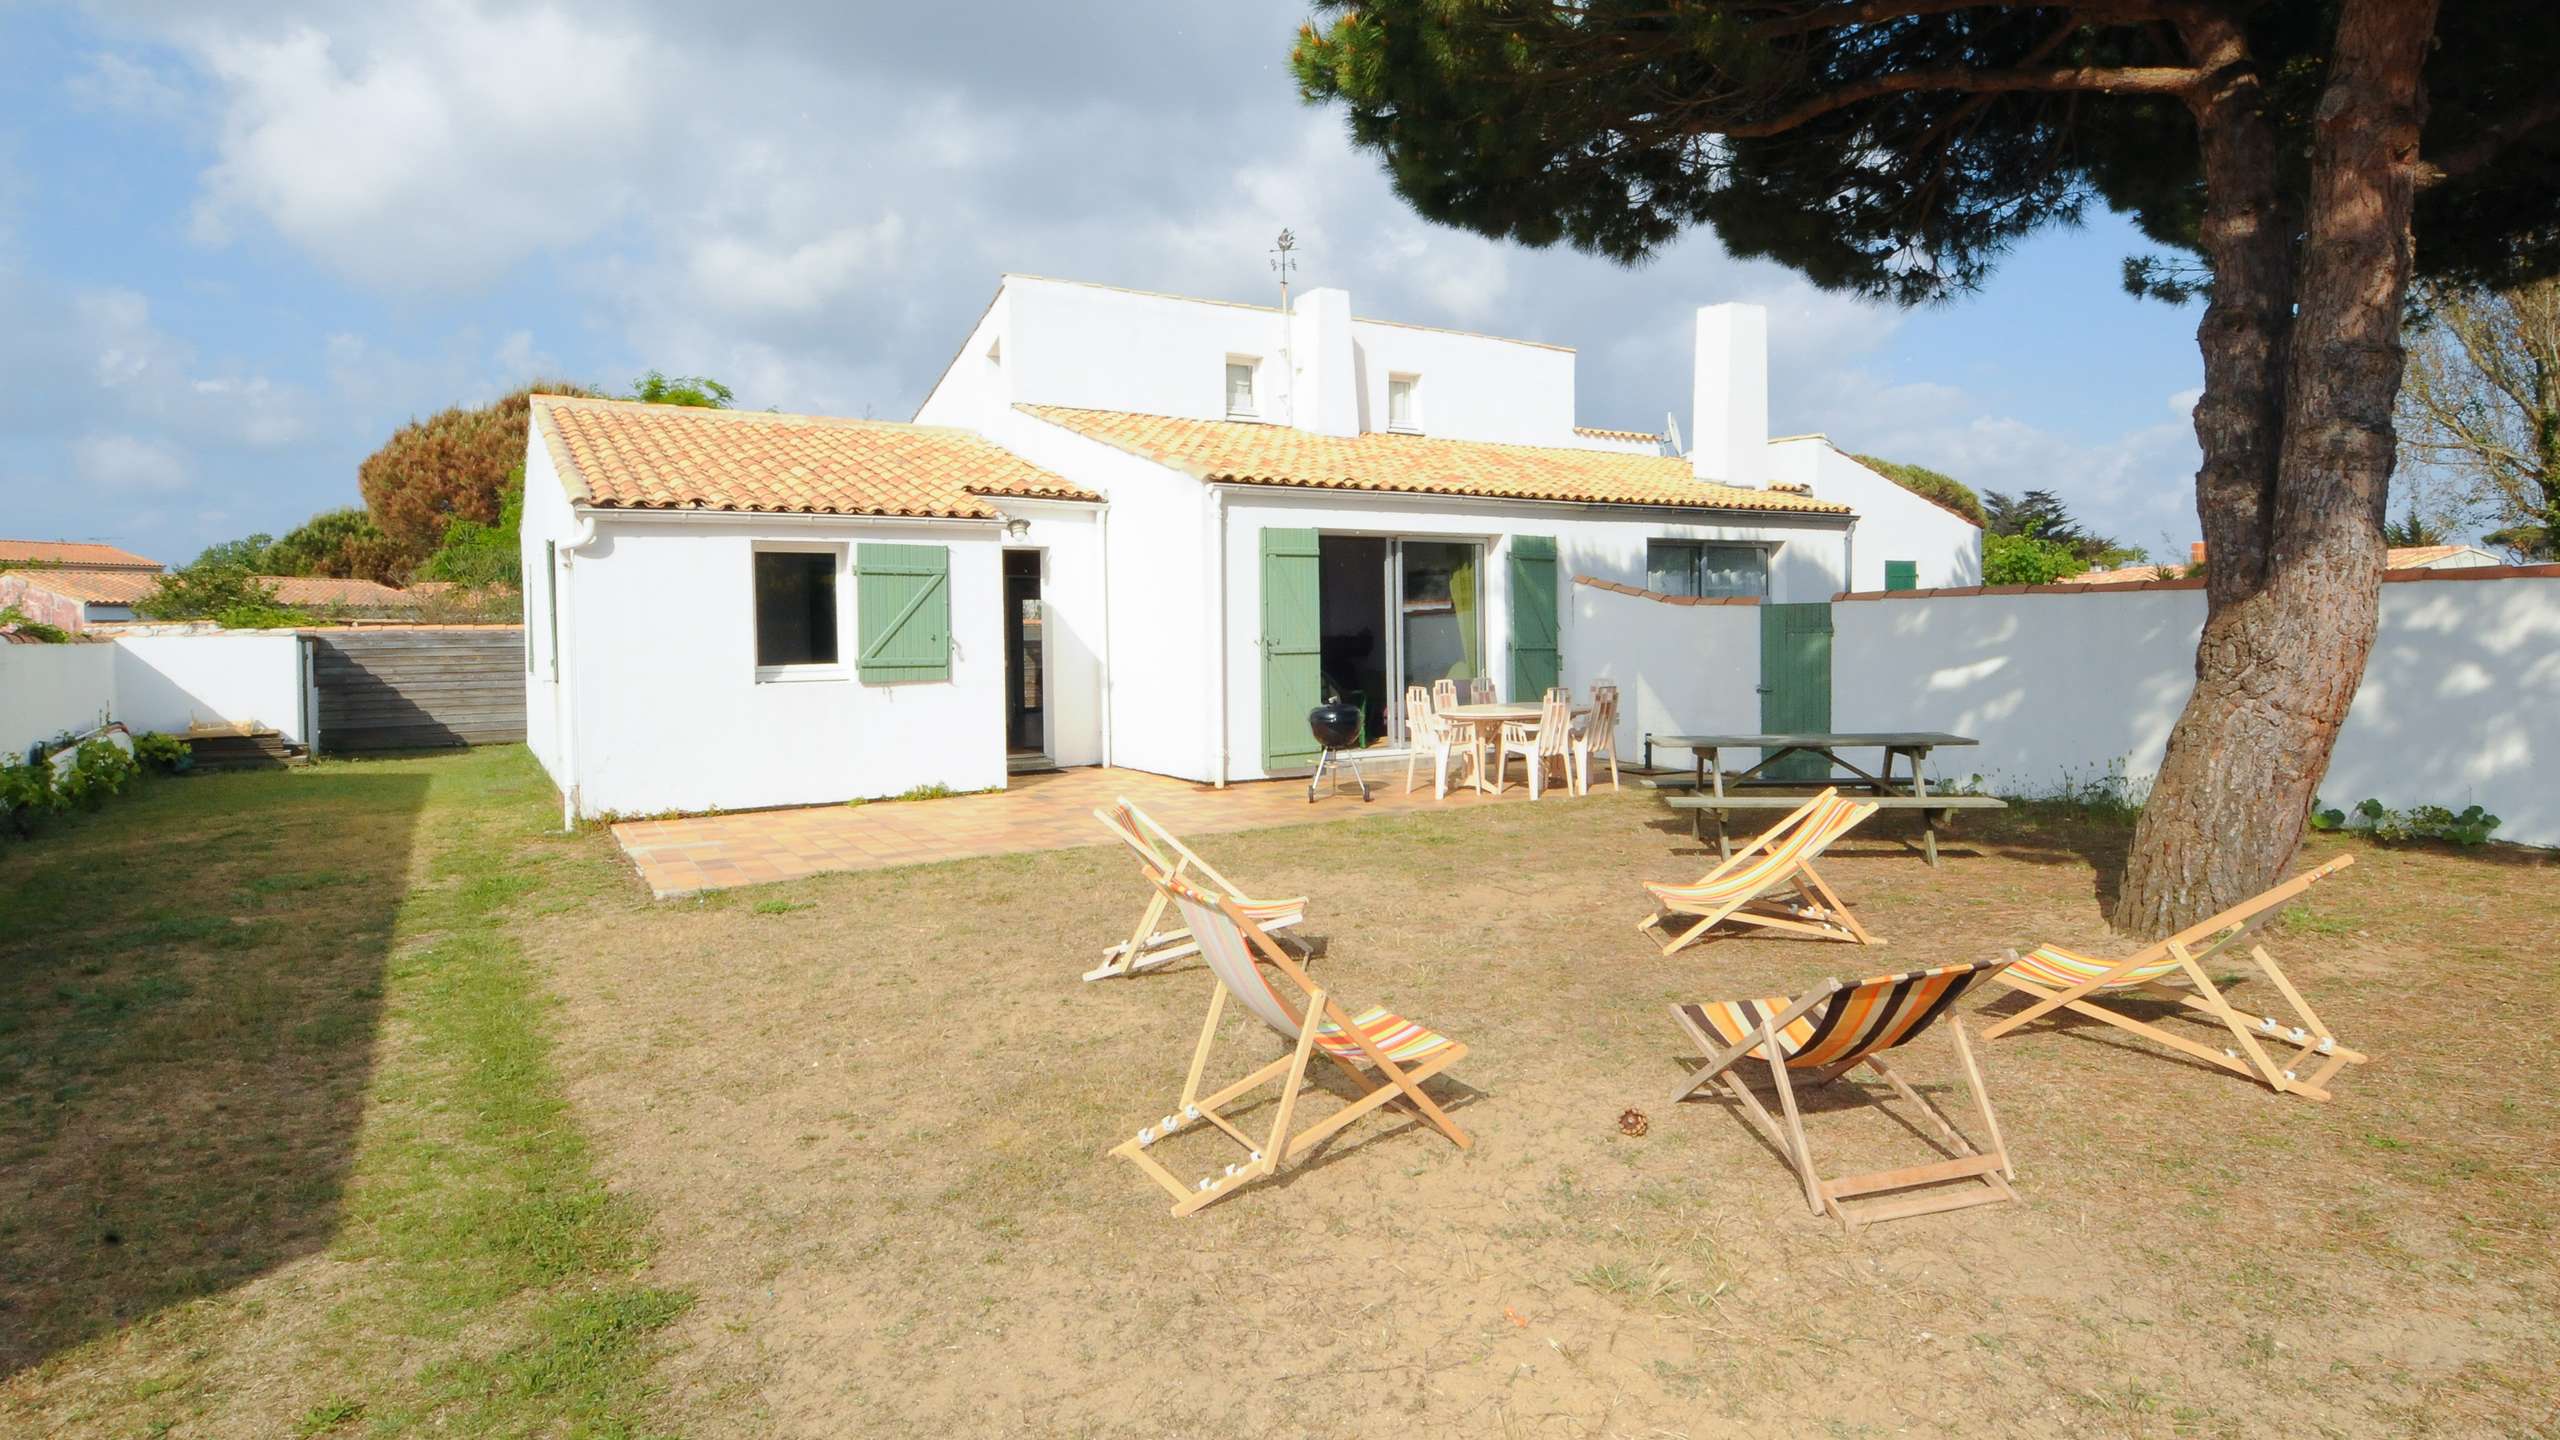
[869, 1113]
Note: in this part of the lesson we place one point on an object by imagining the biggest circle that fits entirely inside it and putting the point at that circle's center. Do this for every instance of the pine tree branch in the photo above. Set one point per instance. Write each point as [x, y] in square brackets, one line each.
[1864, 12]
[2477, 153]
[2176, 80]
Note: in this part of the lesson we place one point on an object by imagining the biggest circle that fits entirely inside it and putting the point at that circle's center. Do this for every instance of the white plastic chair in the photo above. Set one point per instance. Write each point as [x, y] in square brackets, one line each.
[1548, 741]
[1597, 734]
[1424, 729]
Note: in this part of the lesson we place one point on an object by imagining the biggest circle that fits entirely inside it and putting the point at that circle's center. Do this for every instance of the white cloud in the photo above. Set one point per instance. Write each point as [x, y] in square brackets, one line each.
[128, 463]
[125, 86]
[756, 279]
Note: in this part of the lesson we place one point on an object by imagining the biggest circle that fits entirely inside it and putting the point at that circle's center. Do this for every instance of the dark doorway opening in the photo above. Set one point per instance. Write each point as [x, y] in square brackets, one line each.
[1352, 605]
[1026, 718]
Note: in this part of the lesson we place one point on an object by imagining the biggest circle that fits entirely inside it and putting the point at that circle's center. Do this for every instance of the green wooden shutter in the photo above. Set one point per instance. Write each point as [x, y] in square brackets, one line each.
[1537, 661]
[902, 596]
[1292, 645]
[1902, 574]
[1795, 680]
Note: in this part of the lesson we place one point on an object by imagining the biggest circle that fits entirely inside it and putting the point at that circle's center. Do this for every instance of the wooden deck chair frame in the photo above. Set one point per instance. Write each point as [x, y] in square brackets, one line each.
[2249, 1054]
[1813, 909]
[1850, 1200]
[1277, 1146]
[1158, 848]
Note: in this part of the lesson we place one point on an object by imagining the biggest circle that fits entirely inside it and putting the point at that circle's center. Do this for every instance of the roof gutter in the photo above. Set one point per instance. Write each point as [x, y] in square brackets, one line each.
[588, 515]
[1615, 508]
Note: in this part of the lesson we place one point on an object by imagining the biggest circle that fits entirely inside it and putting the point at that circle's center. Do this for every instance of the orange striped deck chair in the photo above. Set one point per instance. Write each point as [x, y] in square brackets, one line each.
[1823, 1035]
[1160, 849]
[2296, 1058]
[1738, 891]
[1385, 1056]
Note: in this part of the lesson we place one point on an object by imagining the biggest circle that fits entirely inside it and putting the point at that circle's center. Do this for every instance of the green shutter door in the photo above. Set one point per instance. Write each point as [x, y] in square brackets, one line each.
[1292, 640]
[1795, 679]
[902, 598]
[1902, 574]
[1536, 661]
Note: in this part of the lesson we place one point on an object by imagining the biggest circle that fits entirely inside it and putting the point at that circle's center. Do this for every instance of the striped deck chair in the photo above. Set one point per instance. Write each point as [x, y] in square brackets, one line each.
[1823, 1035]
[2174, 971]
[1160, 849]
[1385, 1056]
[1738, 891]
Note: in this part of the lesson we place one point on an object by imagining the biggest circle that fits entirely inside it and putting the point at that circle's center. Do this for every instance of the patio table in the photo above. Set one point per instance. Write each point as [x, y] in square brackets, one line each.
[1712, 797]
[1480, 719]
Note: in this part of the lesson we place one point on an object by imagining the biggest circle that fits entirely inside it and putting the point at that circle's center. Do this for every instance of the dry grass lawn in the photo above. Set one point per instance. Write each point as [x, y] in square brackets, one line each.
[868, 1114]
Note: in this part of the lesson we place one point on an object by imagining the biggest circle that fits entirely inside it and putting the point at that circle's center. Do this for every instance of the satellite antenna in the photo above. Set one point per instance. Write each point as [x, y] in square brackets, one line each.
[1671, 429]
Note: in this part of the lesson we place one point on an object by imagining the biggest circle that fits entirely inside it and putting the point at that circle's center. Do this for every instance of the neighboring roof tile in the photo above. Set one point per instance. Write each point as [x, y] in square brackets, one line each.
[93, 587]
[619, 454]
[323, 590]
[2398, 557]
[1245, 453]
[1598, 433]
[81, 553]
[127, 587]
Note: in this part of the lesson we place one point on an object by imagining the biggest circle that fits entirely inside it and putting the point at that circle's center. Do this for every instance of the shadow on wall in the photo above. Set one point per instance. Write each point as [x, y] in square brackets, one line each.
[186, 1059]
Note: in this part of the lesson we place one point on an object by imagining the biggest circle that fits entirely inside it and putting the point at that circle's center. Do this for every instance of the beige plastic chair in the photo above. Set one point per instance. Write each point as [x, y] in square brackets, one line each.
[1480, 691]
[1597, 734]
[1559, 692]
[1425, 731]
[1548, 741]
[1444, 693]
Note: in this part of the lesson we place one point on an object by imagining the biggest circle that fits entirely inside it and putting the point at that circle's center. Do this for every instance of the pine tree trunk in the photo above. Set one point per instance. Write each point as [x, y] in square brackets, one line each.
[2294, 484]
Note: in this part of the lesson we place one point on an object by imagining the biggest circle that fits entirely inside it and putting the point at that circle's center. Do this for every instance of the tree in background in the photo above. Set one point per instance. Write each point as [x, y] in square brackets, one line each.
[1940, 489]
[2027, 560]
[343, 543]
[478, 556]
[2415, 527]
[240, 554]
[2305, 154]
[450, 466]
[2481, 409]
[221, 588]
[700, 391]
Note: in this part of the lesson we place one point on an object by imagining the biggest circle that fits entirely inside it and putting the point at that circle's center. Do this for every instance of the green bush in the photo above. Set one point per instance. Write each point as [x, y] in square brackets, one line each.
[27, 794]
[2027, 560]
[1935, 486]
[49, 634]
[99, 768]
[225, 593]
[2398, 827]
[165, 753]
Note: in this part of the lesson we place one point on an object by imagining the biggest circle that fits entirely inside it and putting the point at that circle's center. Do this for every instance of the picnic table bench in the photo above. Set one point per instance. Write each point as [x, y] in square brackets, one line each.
[1715, 798]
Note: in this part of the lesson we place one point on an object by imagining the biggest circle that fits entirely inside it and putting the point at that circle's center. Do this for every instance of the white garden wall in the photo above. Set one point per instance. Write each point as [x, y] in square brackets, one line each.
[48, 689]
[152, 682]
[1680, 668]
[2460, 702]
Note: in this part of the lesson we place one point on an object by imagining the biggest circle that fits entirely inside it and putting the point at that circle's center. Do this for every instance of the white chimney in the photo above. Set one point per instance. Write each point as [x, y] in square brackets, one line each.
[1324, 396]
[1729, 404]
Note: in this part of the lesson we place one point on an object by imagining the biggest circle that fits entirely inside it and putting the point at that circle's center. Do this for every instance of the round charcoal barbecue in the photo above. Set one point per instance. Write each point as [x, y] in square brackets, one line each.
[1336, 726]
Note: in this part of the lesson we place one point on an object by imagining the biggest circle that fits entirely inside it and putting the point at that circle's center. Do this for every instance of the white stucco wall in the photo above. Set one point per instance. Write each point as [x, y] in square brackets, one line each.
[48, 689]
[172, 682]
[1605, 542]
[1680, 669]
[547, 521]
[1893, 523]
[2460, 702]
[666, 710]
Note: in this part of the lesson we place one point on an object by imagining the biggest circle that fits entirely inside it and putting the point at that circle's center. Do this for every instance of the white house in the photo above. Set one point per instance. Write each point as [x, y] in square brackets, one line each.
[1146, 531]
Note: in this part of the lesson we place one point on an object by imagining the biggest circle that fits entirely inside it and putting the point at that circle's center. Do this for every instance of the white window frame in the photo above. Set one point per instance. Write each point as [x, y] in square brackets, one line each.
[1252, 365]
[838, 670]
[1698, 546]
[1412, 422]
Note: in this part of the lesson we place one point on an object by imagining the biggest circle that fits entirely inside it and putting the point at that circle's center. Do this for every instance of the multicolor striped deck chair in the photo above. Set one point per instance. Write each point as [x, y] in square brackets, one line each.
[1822, 1036]
[1737, 891]
[1160, 849]
[2174, 971]
[1385, 1056]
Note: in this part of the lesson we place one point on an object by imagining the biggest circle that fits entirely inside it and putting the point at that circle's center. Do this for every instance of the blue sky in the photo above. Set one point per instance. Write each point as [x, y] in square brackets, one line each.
[239, 244]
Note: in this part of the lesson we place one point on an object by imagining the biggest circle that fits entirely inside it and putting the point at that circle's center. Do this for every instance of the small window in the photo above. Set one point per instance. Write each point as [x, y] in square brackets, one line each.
[1902, 574]
[1240, 387]
[795, 608]
[551, 601]
[1693, 567]
[1402, 394]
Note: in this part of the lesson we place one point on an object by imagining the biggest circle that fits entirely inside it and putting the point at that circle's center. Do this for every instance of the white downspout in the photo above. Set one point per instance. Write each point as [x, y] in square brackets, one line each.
[1105, 556]
[564, 690]
[1218, 634]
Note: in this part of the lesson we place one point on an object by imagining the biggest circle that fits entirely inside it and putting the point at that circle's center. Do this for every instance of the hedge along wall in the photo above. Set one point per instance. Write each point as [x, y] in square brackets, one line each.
[2460, 703]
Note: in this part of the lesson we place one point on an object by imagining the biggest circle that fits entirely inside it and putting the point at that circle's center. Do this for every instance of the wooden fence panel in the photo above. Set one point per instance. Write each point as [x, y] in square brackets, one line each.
[418, 688]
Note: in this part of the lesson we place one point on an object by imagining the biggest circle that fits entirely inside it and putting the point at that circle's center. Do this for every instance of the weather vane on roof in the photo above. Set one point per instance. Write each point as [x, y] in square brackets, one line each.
[1283, 261]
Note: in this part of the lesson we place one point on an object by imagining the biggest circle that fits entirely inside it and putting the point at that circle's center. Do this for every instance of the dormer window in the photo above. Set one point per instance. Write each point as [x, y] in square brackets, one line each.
[1404, 406]
[1240, 404]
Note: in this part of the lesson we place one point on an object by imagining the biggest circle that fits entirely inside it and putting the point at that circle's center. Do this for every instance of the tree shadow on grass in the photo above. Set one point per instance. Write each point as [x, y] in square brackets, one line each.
[191, 981]
[2027, 833]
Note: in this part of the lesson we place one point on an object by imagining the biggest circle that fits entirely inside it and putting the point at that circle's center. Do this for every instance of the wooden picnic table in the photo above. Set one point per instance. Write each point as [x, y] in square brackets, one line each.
[1493, 715]
[1713, 794]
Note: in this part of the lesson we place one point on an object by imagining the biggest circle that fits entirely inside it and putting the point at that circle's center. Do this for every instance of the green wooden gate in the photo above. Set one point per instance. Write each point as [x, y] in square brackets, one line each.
[1795, 679]
[1292, 642]
[1537, 661]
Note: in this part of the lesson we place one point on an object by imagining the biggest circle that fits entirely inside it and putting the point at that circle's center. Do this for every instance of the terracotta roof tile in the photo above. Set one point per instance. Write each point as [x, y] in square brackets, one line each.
[1600, 433]
[126, 587]
[94, 587]
[1244, 453]
[618, 454]
[80, 553]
